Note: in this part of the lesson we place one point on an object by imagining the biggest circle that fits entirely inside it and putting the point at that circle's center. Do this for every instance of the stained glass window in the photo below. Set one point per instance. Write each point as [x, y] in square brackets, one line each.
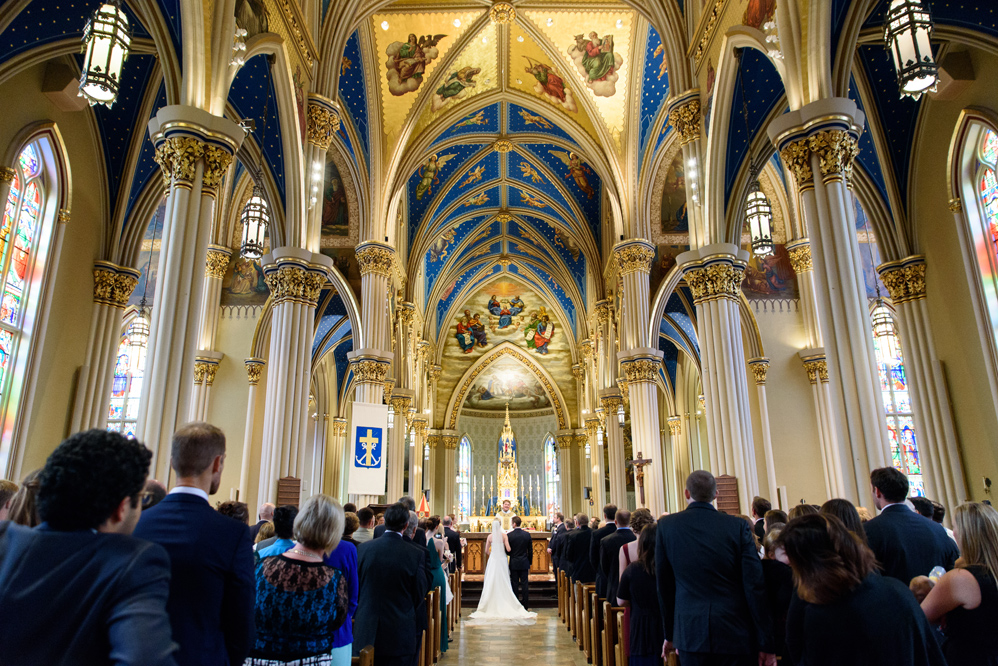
[464, 498]
[988, 187]
[129, 372]
[552, 477]
[896, 398]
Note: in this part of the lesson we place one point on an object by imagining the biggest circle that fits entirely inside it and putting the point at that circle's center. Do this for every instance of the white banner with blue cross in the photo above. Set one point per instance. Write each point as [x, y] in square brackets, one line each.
[368, 445]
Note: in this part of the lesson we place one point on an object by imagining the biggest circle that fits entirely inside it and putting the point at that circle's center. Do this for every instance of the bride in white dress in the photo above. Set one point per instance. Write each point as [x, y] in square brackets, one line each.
[498, 604]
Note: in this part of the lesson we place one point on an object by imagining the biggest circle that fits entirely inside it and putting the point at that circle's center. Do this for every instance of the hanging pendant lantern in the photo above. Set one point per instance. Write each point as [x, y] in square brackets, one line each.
[106, 39]
[883, 329]
[907, 31]
[588, 449]
[391, 417]
[255, 219]
[426, 451]
[620, 414]
[759, 215]
[138, 339]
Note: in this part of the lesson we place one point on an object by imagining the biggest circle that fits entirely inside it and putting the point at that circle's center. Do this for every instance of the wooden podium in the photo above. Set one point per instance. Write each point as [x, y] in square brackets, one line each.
[288, 491]
[727, 495]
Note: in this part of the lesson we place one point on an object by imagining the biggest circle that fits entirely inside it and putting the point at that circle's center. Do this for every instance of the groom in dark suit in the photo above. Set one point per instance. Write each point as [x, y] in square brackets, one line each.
[520, 554]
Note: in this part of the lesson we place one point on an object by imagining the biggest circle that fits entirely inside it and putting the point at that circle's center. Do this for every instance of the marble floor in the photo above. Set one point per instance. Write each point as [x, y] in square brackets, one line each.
[547, 642]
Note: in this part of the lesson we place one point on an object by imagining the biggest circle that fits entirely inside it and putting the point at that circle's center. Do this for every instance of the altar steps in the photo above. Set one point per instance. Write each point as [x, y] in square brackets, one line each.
[543, 593]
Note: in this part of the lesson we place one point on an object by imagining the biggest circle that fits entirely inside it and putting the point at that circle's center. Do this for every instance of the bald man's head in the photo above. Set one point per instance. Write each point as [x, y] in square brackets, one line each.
[266, 511]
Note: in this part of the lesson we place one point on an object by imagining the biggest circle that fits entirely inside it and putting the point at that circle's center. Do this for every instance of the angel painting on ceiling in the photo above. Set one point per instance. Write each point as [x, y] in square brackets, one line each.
[550, 86]
[407, 62]
[597, 62]
[577, 171]
[428, 174]
[441, 246]
[456, 83]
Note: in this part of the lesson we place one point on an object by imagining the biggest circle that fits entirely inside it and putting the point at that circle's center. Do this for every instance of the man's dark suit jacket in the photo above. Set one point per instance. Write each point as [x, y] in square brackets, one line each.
[710, 583]
[594, 544]
[908, 544]
[419, 537]
[576, 550]
[213, 585]
[393, 582]
[556, 536]
[82, 598]
[609, 559]
[521, 549]
[760, 529]
[255, 529]
[454, 544]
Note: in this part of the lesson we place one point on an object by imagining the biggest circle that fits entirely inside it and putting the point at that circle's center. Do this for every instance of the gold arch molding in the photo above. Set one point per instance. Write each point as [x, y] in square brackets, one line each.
[503, 350]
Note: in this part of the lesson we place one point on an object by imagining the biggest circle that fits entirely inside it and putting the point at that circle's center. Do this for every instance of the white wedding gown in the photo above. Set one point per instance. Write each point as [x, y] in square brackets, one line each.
[498, 604]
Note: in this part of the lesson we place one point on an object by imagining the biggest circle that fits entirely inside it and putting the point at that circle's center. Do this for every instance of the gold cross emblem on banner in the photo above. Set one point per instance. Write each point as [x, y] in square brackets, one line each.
[368, 442]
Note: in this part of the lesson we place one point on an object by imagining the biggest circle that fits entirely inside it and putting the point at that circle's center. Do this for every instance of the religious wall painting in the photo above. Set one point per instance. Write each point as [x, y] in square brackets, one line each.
[473, 176]
[577, 171]
[529, 172]
[535, 120]
[479, 200]
[243, 282]
[539, 332]
[566, 242]
[759, 12]
[456, 83]
[345, 261]
[708, 104]
[675, 218]
[549, 86]
[407, 62]
[771, 276]
[530, 200]
[664, 261]
[441, 245]
[470, 331]
[663, 64]
[299, 85]
[506, 381]
[597, 62]
[476, 119]
[428, 174]
[335, 212]
[869, 254]
[252, 16]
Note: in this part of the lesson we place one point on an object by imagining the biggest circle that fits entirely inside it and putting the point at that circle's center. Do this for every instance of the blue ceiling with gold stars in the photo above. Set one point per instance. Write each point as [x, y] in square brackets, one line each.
[252, 91]
[353, 95]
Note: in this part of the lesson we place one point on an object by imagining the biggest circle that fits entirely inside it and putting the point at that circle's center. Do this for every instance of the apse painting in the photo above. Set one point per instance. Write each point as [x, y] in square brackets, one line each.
[243, 283]
[675, 219]
[506, 381]
[771, 276]
[335, 215]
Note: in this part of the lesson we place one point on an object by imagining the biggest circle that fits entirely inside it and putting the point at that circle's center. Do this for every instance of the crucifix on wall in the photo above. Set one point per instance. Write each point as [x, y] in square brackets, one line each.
[639, 474]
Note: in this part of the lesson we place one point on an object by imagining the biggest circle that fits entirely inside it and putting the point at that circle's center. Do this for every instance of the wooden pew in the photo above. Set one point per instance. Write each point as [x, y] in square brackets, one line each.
[577, 613]
[610, 614]
[596, 628]
[422, 650]
[622, 656]
[588, 610]
[366, 657]
[438, 620]
[431, 628]
[557, 584]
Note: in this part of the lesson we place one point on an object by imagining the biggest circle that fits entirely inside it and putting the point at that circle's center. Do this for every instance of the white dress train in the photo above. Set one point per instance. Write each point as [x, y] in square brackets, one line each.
[498, 604]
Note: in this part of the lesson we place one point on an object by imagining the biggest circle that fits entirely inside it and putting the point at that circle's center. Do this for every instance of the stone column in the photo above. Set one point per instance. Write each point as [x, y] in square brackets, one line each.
[686, 118]
[450, 440]
[337, 456]
[821, 139]
[714, 274]
[113, 285]
[418, 435]
[216, 261]
[679, 470]
[816, 367]
[611, 400]
[438, 494]
[254, 368]
[194, 150]
[376, 262]
[942, 469]
[401, 402]
[564, 444]
[322, 121]
[295, 278]
[760, 368]
[205, 367]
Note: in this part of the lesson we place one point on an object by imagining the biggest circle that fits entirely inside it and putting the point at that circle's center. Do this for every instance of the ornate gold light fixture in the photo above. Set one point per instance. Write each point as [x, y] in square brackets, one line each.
[502, 12]
[106, 39]
[907, 31]
[255, 219]
[759, 215]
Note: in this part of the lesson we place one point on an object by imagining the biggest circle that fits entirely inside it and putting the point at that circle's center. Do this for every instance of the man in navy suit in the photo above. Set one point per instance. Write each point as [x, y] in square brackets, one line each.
[78, 589]
[608, 528]
[609, 552]
[905, 543]
[710, 584]
[212, 592]
[393, 583]
[521, 553]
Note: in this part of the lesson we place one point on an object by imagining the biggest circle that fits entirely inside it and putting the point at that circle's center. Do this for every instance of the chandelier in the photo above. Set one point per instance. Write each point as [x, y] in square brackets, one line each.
[907, 30]
[759, 215]
[106, 39]
[255, 219]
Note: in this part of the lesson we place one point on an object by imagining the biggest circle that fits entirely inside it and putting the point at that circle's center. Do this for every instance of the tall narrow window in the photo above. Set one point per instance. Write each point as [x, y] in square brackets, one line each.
[987, 192]
[24, 241]
[897, 400]
[552, 477]
[464, 498]
[129, 371]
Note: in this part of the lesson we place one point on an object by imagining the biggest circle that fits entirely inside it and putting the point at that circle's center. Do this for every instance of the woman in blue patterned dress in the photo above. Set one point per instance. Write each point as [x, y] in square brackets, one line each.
[300, 600]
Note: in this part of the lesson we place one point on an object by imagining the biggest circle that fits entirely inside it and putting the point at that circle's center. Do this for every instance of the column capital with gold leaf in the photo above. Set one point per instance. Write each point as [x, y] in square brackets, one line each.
[759, 367]
[254, 368]
[216, 261]
[635, 254]
[815, 364]
[685, 116]
[904, 279]
[714, 272]
[113, 284]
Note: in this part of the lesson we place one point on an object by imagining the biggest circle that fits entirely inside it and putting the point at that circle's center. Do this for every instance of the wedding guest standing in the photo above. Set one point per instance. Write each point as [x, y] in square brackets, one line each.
[637, 591]
[967, 596]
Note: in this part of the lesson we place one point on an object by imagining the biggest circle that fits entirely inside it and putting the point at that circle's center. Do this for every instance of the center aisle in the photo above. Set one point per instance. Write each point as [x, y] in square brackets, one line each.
[547, 642]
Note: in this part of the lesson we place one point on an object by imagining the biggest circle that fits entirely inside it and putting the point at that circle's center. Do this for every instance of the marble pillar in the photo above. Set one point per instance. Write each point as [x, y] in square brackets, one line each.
[254, 368]
[760, 368]
[216, 261]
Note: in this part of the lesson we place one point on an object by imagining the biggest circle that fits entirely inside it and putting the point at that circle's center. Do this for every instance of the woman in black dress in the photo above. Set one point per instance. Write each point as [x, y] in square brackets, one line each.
[779, 581]
[639, 592]
[967, 596]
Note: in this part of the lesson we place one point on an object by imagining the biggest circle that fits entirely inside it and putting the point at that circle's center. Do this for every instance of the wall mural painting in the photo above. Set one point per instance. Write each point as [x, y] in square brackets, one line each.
[480, 200]
[759, 12]
[504, 313]
[441, 246]
[472, 120]
[869, 252]
[428, 174]
[455, 84]
[335, 215]
[597, 62]
[345, 261]
[674, 215]
[243, 283]
[504, 381]
[532, 201]
[535, 120]
[771, 276]
[577, 171]
[709, 102]
[407, 62]
[665, 261]
[473, 176]
[550, 86]
[566, 242]
[252, 16]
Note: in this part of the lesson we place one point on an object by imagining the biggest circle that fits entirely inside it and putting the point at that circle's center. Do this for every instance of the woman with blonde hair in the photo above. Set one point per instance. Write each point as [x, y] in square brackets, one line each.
[300, 600]
[968, 595]
[24, 503]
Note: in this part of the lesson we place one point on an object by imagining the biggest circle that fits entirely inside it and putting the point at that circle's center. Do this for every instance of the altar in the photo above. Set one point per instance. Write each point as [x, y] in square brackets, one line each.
[484, 523]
